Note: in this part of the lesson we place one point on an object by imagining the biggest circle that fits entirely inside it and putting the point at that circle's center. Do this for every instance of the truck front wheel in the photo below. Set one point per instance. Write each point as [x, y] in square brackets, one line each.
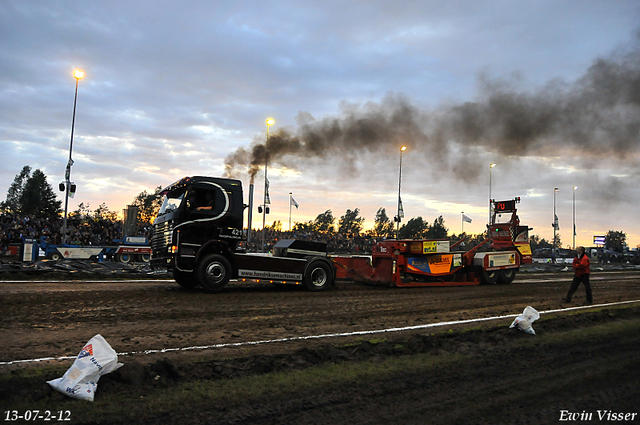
[214, 271]
[318, 276]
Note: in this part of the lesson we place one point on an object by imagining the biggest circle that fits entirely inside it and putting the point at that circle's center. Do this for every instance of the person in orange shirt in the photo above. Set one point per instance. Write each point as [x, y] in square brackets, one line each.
[582, 272]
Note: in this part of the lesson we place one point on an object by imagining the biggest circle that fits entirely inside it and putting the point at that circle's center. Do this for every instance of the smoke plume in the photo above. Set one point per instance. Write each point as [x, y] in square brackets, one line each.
[595, 117]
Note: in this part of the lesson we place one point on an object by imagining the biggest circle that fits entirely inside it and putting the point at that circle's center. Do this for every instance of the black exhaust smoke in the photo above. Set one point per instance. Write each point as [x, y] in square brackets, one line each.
[595, 118]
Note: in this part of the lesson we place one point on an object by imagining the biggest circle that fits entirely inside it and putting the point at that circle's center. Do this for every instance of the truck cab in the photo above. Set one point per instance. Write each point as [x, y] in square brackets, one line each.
[198, 237]
[198, 215]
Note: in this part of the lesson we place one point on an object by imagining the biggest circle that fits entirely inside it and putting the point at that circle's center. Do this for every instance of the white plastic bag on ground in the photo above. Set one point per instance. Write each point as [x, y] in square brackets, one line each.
[524, 320]
[96, 358]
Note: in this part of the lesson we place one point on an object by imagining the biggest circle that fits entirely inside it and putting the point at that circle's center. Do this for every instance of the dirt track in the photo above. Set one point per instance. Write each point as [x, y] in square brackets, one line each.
[56, 319]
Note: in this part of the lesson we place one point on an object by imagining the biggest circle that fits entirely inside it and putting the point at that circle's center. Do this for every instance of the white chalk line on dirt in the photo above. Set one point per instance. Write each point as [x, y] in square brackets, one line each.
[89, 281]
[523, 279]
[569, 278]
[333, 335]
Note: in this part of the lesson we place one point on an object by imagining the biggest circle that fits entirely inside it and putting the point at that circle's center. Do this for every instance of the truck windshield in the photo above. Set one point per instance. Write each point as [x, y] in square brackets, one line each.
[170, 203]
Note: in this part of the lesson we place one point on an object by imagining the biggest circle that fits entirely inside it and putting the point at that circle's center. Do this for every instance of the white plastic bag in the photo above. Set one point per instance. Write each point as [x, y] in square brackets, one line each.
[524, 320]
[96, 358]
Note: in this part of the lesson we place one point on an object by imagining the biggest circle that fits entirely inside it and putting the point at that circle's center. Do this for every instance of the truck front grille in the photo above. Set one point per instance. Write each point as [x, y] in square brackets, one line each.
[161, 235]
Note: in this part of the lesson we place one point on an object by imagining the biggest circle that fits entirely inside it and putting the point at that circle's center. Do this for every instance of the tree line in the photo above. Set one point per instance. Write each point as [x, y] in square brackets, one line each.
[30, 194]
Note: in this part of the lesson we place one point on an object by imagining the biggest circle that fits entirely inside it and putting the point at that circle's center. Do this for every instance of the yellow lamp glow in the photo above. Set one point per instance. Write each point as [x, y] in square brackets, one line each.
[78, 74]
[270, 121]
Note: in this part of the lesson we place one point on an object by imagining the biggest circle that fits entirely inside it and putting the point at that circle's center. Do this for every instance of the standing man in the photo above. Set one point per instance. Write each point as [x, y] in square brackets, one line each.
[582, 271]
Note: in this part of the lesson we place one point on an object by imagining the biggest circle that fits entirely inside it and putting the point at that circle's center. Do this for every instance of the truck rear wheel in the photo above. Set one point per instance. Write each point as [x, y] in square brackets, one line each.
[56, 256]
[185, 279]
[318, 276]
[506, 276]
[214, 271]
[489, 278]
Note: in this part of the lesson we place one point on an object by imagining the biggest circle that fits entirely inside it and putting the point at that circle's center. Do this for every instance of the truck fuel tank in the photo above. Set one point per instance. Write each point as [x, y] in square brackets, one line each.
[293, 248]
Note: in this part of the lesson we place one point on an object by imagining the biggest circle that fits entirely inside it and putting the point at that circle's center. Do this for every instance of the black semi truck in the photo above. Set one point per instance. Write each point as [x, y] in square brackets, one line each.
[198, 237]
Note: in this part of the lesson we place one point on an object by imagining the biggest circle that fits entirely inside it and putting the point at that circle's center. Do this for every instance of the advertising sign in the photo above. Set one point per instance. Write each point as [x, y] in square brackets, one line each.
[432, 247]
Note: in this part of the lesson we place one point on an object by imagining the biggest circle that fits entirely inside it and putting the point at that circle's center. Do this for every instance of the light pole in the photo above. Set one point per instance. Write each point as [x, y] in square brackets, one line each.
[493, 164]
[555, 219]
[78, 75]
[269, 121]
[574, 216]
[400, 209]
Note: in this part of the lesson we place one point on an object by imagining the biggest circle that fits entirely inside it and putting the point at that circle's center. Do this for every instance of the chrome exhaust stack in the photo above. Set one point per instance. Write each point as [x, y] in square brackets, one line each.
[250, 214]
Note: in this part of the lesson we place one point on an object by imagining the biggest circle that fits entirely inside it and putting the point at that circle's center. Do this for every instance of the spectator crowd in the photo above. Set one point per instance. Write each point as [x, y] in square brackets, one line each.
[82, 230]
[87, 230]
[336, 242]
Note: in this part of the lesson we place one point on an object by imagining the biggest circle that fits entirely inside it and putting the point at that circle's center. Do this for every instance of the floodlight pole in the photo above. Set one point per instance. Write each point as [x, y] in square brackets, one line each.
[67, 175]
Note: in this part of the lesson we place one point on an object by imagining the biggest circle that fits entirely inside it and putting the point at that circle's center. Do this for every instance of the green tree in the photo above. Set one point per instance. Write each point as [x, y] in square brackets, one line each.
[306, 227]
[13, 201]
[148, 205]
[276, 226]
[415, 228]
[38, 198]
[32, 194]
[324, 222]
[557, 242]
[83, 212]
[383, 227]
[615, 240]
[350, 223]
[437, 230]
[104, 213]
[470, 240]
[537, 242]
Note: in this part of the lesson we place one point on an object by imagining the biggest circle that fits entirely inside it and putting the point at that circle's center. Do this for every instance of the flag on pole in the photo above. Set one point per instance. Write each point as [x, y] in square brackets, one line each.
[574, 230]
[400, 209]
[267, 199]
[294, 203]
[466, 218]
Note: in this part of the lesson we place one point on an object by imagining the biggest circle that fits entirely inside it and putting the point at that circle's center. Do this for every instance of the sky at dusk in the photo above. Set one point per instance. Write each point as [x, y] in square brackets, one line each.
[549, 91]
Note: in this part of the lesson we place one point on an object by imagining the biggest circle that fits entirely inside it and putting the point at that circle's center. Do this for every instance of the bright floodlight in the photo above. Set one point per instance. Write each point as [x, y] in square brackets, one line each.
[78, 74]
[575, 187]
[404, 148]
[270, 121]
[492, 165]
